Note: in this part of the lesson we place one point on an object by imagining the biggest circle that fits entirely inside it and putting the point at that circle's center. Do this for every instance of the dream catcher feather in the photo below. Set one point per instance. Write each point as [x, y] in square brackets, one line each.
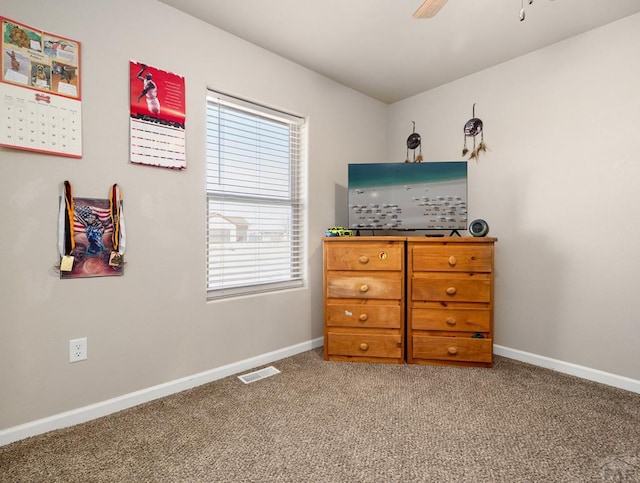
[472, 128]
[414, 141]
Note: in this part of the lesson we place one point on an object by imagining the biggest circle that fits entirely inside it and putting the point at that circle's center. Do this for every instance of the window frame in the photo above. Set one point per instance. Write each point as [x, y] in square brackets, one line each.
[220, 286]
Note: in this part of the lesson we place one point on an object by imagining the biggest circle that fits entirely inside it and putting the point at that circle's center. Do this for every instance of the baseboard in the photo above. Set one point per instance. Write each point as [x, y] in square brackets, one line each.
[110, 406]
[595, 375]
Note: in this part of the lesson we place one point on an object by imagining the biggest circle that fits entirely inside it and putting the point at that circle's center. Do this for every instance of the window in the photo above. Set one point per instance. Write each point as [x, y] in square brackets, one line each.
[254, 198]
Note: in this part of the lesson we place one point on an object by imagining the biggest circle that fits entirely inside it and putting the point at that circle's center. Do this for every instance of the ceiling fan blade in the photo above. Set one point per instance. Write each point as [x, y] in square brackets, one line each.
[429, 8]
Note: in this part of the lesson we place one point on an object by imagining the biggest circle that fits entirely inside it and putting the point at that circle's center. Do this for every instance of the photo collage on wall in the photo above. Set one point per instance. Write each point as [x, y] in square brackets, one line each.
[41, 111]
[40, 96]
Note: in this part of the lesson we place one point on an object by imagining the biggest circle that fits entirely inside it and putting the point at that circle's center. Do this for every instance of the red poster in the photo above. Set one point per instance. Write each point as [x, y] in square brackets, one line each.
[157, 113]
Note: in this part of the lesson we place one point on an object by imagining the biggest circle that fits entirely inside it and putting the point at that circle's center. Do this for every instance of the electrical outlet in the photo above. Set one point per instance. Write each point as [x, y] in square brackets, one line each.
[77, 349]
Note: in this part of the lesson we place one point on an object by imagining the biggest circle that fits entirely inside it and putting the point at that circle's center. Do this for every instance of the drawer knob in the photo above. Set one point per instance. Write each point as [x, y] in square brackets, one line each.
[364, 287]
[451, 290]
[452, 261]
[363, 317]
[451, 321]
[364, 259]
[452, 350]
[364, 346]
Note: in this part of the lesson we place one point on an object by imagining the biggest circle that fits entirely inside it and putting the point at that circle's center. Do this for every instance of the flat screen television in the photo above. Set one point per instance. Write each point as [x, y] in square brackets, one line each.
[408, 196]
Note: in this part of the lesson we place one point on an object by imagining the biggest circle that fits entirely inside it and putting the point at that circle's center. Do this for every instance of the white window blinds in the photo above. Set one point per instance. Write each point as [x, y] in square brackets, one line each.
[254, 198]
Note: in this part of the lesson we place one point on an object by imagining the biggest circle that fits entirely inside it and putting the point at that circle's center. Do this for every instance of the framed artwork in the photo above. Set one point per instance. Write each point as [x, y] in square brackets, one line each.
[92, 229]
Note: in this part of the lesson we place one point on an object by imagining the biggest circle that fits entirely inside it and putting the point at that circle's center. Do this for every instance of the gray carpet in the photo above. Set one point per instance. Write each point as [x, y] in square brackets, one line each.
[322, 421]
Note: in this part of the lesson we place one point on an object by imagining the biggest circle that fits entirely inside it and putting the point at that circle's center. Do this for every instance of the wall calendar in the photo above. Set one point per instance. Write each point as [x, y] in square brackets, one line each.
[40, 98]
[157, 117]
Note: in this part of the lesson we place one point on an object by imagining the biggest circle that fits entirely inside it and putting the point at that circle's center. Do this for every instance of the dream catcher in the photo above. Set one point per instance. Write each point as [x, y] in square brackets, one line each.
[414, 142]
[472, 128]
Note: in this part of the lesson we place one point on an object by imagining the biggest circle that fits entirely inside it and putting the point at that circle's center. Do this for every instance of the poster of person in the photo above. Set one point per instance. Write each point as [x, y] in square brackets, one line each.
[92, 229]
[40, 101]
[157, 117]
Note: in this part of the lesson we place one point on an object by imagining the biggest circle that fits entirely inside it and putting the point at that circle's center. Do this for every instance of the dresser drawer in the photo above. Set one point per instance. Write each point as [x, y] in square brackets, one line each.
[369, 345]
[364, 315]
[452, 348]
[364, 256]
[453, 257]
[468, 320]
[367, 285]
[463, 287]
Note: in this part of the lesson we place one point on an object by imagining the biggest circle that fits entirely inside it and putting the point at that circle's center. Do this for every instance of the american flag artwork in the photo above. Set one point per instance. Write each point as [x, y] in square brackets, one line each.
[83, 213]
[92, 227]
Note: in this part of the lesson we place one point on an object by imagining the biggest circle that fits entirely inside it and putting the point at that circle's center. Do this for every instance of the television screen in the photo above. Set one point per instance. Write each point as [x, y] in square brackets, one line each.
[408, 196]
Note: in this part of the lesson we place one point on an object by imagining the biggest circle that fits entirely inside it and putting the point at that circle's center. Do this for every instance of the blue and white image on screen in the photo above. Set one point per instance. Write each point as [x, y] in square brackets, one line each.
[408, 196]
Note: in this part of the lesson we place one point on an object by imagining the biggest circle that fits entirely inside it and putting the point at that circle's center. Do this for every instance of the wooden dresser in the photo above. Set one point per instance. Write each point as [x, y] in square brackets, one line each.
[364, 299]
[450, 301]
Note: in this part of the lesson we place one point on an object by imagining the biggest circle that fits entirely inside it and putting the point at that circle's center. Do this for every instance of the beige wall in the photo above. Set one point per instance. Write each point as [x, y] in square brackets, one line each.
[153, 325]
[559, 188]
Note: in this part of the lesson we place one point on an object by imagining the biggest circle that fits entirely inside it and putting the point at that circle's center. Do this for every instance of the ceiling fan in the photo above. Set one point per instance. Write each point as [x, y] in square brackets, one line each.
[429, 8]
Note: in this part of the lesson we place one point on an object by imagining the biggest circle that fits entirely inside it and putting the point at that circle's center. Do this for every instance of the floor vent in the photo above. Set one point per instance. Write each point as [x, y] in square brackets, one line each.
[257, 375]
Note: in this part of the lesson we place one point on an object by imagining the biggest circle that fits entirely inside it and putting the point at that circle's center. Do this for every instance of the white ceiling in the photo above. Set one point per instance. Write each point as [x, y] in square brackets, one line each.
[377, 48]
